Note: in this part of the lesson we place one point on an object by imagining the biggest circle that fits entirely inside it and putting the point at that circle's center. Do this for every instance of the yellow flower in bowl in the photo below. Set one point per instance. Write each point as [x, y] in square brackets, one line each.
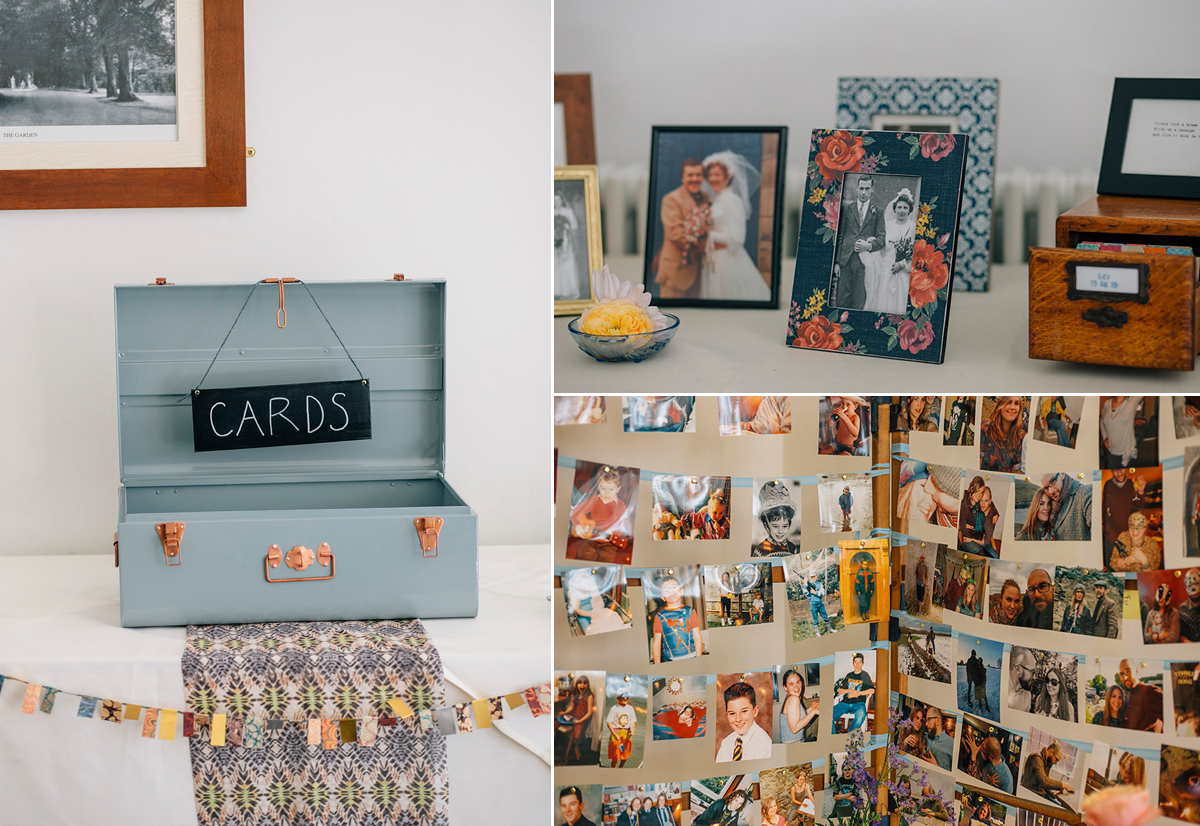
[616, 318]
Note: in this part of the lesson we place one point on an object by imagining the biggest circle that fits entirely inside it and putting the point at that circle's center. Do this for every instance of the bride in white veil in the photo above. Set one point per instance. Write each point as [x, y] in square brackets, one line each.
[887, 271]
[727, 271]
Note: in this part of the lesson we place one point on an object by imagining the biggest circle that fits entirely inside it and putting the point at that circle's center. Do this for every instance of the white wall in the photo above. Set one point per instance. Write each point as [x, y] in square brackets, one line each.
[708, 62]
[392, 137]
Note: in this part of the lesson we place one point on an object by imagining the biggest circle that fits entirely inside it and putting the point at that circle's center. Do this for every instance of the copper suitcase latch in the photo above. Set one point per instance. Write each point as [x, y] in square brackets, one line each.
[171, 533]
[427, 534]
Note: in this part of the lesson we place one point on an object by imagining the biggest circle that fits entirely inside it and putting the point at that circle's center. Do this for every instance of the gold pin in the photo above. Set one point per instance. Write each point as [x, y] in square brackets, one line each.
[987, 478]
[843, 477]
[695, 481]
[1177, 573]
[594, 571]
[627, 678]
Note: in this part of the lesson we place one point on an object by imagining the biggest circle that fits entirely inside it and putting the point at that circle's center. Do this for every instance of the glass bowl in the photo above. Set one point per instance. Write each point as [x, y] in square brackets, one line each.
[635, 347]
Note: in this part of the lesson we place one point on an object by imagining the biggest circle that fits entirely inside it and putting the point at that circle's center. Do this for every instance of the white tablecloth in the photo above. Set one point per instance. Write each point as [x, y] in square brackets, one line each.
[59, 625]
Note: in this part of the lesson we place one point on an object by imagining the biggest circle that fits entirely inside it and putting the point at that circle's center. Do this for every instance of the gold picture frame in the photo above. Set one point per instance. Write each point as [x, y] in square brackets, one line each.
[576, 191]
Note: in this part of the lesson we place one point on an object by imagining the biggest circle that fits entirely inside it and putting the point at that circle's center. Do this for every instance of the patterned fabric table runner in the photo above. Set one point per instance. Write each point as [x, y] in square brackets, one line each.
[367, 768]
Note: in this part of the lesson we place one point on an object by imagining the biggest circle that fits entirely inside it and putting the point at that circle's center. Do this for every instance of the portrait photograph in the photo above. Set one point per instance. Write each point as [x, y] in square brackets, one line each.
[1131, 513]
[1055, 507]
[1128, 431]
[690, 507]
[975, 809]
[959, 420]
[920, 569]
[578, 715]
[854, 698]
[578, 410]
[745, 716]
[798, 698]
[1003, 433]
[990, 753]
[1021, 594]
[738, 594]
[626, 705]
[579, 805]
[1169, 602]
[813, 583]
[1178, 790]
[842, 791]
[1057, 420]
[603, 507]
[1088, 602]
[655, 804]
[761, 415]
[1191, 501]
[1186, 411]
[715, 216]
[844, 426]
[922, 413]
[925, 650]
[1048, 769]
[930, 785]
[675, 623]
[1185, 690]
[965, 576]
[680, 707]
[597, 600]
[577, 239]
[658, 414]
[978, 676]
[775, 524]
[925, 732]
[845, 502]
[1123, 692]
[1108, 766]
[790, 792]
[984, 501]
[862, 563]
[928, 494]
[729, 800]
[1043, 682]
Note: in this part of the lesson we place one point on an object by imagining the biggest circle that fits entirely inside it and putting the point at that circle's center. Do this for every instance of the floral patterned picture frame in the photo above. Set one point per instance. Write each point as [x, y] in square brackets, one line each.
[849, 309]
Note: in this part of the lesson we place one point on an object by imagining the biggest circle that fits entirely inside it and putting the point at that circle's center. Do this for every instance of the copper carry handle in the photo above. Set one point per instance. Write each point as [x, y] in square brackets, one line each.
[299, 558]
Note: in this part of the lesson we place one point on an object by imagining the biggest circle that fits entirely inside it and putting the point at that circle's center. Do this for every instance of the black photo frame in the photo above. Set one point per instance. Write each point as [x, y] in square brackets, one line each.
[1113, 181]
[691, 269]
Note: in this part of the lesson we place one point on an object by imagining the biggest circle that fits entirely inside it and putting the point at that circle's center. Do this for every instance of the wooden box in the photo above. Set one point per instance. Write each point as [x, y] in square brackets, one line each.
[1122, 308]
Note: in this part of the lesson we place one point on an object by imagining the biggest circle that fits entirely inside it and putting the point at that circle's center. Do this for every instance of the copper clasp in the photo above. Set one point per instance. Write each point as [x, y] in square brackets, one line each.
[299, 558]
[170, 534]
[427, 534]
[281, 313]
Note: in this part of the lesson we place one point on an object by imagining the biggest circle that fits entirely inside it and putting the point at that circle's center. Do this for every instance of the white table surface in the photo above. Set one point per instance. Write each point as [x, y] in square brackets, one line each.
[59, 626]
[715, 350]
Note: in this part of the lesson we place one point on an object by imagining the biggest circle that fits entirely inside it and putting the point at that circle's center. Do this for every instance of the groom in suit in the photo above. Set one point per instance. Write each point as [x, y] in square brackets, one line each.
[679, 259]
[860, 229]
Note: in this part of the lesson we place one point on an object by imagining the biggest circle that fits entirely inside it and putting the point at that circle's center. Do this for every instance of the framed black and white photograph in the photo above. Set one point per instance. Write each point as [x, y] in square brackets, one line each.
[578, 249]
[1152, 146]
[878, 233]
[715, 216]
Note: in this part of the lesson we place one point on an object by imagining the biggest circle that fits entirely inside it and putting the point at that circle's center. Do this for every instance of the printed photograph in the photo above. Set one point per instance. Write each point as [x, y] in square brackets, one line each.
[925, 650]
[862, 563]
[1021, 595]
[1187, 416]
[775, 528]
[579, 805]
[844, 425]
[1087, 602]
[978, 678]
[1108, 766]
[1131, 507]
[960, 421]
[603, 507]
[985, 498]
[1179, 783]
[1052, 507]
[597, 600]
[854, 690]
[1123, 693]
[975, 809]
[928, 494]
[1003, 432]
[691, 507]
[1048, 767]
[680, 707]
[789, 795]
[1029, 817]
[675, 622]
[572, 273]
[744, 716]
[725, 801]
[1170, 606]
[798, 695]
[627, 700]
[1057, 421]
[578, 699]
[845, 501]
[658, 414]
[841, 793]
[924, 731]
[655, 804]
[1191, 501]
[762, 415]
[578, 410]
[990, 754]
[923, 413]
[1185, 689]
[928, 787]
[920, 568]
[1043, 682]
[1128, 431]
[966, 577]
[738, 594]
[813, 584]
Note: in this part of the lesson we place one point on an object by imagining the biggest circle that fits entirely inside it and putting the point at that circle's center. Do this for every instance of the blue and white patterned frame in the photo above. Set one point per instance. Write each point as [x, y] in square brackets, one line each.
[974, 101]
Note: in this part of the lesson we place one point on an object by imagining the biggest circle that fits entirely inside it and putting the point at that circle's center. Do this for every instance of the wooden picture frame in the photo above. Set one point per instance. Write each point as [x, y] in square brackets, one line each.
[1157, 179]
[574, 92]
[220, 182]
[576, 229]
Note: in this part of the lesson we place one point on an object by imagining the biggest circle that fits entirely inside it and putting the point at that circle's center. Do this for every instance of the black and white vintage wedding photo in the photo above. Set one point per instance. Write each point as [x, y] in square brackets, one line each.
[875, 235]
[577, 245]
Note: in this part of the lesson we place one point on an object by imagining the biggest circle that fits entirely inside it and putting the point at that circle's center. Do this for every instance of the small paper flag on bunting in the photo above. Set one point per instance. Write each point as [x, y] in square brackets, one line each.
[368, 730]
[48, 697]
[538, 698]
[111, 711]
[314, 732]
[132, 712]
[218, 730]
[150, 723]
[483, 713]
[387, 722]
[32, 695]
[349, 728]
[329, 732]
[496, 708]
[446, 722]
[514, 701]
[400, 707]
[235, 727]
[167, 722]
[426, 718]
[274, 723]
[189, 724]
[87, 706]
[255, 737]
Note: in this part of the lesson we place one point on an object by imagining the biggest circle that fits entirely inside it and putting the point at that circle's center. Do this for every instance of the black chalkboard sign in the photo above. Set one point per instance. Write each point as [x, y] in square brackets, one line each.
[236, 418]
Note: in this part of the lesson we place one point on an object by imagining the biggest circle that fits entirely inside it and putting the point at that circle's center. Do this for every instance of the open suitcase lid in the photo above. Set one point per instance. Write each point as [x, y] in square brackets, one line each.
[168, 334]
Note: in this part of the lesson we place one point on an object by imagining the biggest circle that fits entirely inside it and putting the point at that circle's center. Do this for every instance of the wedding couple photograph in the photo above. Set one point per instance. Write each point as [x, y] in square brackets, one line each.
[714, 219]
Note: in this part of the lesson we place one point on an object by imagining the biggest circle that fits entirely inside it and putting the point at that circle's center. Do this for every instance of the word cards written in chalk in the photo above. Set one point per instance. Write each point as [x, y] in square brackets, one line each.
[237, 418]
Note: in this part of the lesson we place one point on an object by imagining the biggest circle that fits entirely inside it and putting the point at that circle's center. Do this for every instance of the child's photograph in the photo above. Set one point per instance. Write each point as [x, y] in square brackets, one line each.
[775, 527]
[578, 700]
[1179, 783]
[923, 413]
[844, 425]
[656, 804]
[928, 494]
[814, 593]
[1057, 420]
[965, 576]
[1108, 767]
[675, 622]
[1043, 682]
[845, 503]
[754, 415]
[1123, 692]
[1084, 602]
[862, 563]
[1003, 433]
[920, 563]
[990, 753]
[1128, 431]
[603, 507]
[925, 650]
[1131, 514]
[798, 696]
[658, 414]
[725, 801]
[853, 691]
[744, 716]
[1053, 507]
[959, 420]
[579, 805]
[578, 410]
[977, 681]
[627, 700]
[690, 507]
[1166, 604]
[738, 594]
[984, 501]
[923, 731]
[597, 600]
[1185, 690]
[1048, 768]
[789, 795]
[680, 707]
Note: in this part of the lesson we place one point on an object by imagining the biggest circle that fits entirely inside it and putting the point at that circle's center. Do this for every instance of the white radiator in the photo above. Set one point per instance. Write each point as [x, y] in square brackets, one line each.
[1024, 207]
